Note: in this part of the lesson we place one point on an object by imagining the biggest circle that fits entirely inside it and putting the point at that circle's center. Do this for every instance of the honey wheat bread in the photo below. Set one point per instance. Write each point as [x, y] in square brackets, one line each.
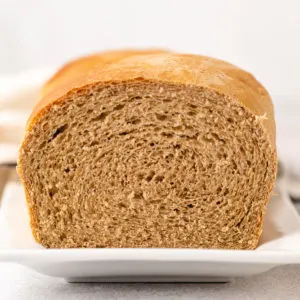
[149, 149]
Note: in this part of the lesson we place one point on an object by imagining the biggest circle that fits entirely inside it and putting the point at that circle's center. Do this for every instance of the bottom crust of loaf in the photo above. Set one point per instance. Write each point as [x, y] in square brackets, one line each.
[145, 164]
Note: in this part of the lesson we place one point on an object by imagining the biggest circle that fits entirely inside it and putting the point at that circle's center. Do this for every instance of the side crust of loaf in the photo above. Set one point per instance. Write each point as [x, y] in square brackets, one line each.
[149, 150]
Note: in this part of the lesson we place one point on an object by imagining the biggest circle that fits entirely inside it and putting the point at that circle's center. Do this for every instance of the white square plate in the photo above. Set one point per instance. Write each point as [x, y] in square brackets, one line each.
[279, 245]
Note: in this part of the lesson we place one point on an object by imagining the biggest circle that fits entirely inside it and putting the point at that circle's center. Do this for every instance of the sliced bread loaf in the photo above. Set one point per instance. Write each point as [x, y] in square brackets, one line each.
[149, 149]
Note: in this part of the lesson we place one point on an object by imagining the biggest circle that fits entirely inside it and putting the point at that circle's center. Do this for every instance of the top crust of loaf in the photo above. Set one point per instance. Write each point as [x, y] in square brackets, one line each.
[160, 66]
[84, 64]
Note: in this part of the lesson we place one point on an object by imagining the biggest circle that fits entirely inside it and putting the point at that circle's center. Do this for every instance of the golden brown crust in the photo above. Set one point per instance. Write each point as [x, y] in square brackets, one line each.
[86, 63]
[156, 65]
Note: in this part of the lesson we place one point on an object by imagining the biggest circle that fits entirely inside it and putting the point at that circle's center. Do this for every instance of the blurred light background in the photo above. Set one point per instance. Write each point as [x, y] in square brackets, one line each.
[261, 36]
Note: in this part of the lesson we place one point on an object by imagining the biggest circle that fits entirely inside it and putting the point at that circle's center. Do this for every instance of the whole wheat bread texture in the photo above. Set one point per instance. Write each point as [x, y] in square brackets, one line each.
[149, 149]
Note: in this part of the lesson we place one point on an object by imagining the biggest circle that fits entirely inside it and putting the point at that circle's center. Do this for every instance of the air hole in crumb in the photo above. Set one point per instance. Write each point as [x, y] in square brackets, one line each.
[179, 127]
[249, 163]
[230, 120]
[154, 201]
[42, 145]
[219, 189]
[177, 146]
[89, 111]
[206, 139]
[192, 105]
[94, 143]
[122, 205]
[152, 144]
[169, 156]
[119, 106]
[167, 134]
[190, 205]
[159, 178]
[161, 117]
[52, 191]
[123, 133]
[150, 176]
[58, 131]
[137, 195]
[134, 121]
[218, 138]
[218, 202]
[67, 170]
[100, 117]
[192, 113]
[234, 165]
[226, 192]
[62, 236]
[135, 98]
[176, 210]
[140, 176]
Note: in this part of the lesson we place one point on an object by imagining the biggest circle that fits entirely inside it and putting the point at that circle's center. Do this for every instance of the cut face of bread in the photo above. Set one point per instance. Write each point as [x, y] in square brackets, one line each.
[147, 163]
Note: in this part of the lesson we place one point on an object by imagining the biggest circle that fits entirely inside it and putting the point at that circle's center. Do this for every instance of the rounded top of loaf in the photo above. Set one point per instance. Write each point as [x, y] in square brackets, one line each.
[160, 66]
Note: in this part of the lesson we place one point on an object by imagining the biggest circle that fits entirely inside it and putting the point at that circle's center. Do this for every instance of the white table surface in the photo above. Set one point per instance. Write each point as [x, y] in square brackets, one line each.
[20, 283]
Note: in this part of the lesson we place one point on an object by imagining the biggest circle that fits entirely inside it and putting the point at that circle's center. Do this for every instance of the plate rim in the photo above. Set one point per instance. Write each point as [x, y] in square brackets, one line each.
[277, 257]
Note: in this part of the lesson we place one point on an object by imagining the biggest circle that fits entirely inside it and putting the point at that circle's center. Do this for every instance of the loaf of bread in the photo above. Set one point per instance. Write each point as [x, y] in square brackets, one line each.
[149, 149]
